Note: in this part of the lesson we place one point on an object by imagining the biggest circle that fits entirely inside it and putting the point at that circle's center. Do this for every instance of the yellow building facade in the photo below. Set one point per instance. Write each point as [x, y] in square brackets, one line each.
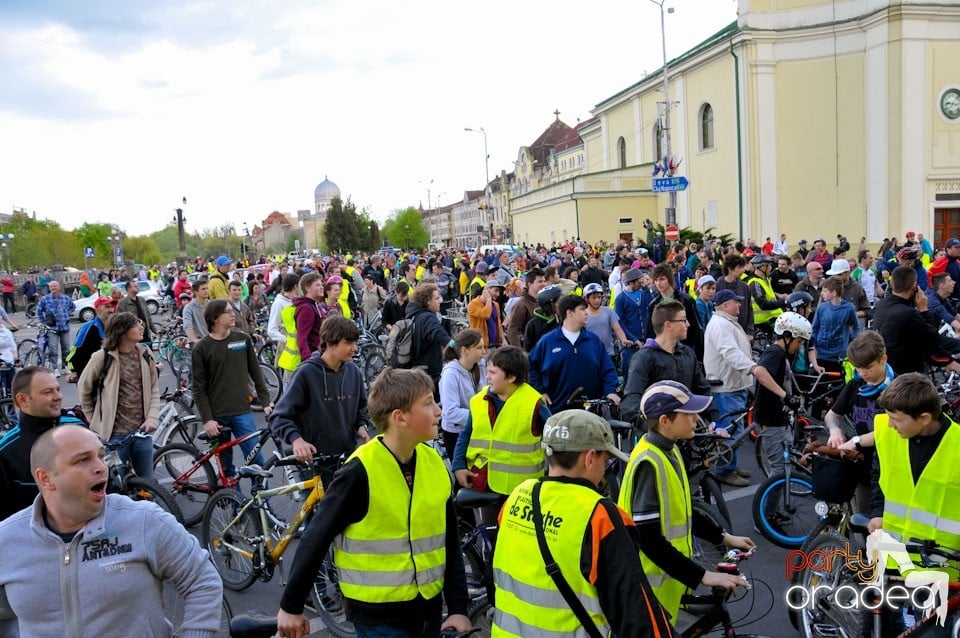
[809, 117]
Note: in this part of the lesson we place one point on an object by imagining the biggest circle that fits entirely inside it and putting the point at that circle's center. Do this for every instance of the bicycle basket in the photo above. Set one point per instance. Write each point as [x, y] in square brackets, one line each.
[834, 481]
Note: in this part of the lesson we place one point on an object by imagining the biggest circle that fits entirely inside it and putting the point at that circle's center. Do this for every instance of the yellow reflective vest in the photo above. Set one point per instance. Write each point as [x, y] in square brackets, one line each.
[676, 512]
[344, 299]
[289, 357]
[528, 601]
[398, 550]
[763, 316]
[476, 280]
[508, 449]
[929, 510]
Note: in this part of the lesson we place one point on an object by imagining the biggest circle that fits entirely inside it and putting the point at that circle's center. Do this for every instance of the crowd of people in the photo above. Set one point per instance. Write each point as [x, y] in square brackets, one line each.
[667, 332]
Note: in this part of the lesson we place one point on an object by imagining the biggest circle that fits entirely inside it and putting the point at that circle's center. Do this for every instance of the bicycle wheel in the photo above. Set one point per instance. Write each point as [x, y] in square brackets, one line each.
[267, 353]
[8, 415]
[141, 489]
[175, 352]
[480, 613]
[712, 493]
[785, 524]
[472, 560]
[328, 599]
[273, 381]
[177, 468]
[32, 357]
[827, 607]
[184, 430]
[374, 361]
[283, 506]
[762, 456]
[24, 347]
[704, 552]
[231, 539]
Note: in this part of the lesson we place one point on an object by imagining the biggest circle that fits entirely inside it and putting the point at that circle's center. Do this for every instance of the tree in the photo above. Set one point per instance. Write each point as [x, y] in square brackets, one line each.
[94, 235]
[404, 228]
[345, 230]
[142, 250]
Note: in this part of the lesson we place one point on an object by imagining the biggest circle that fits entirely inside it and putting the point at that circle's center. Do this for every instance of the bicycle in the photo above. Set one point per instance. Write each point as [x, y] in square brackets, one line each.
[191, 476]
[122, 479]
[37, 352]
[784, 506]
[177, 422]
[625, 438]
[245, 543]
[832, 607]
[253, 624]
[717, 614]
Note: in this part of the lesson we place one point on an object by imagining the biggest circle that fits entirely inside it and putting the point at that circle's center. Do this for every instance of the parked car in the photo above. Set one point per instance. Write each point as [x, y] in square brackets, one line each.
[150, 292]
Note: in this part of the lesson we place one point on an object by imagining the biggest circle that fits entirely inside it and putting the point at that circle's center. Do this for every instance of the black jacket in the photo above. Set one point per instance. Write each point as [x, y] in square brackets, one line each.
[429, 340]
[16, 481]
[652, 364]
[694, 331]
[325, 407]
[910, 336]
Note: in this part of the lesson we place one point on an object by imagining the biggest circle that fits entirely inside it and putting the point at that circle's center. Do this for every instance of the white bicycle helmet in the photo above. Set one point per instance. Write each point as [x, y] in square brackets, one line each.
[797, 326]
[590, 289]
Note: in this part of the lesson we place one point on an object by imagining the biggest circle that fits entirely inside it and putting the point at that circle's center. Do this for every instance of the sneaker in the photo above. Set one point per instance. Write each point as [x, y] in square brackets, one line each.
[56, 372]
[732, 479]
[743, 473]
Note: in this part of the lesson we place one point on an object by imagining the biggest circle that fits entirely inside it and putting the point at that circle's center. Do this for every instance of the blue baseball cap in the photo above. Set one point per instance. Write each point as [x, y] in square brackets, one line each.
[667, 397]
[223, 260]
[724, 296]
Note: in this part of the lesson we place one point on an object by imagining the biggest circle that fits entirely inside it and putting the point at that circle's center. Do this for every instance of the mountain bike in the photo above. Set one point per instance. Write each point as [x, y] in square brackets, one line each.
[191, 476]
[177, 422]
[37, 352]
[246, 543]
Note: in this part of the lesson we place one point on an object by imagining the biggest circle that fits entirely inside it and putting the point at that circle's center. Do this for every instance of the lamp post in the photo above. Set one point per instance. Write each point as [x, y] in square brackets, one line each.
[243, 242]
[406, 237]
[115, 239]
[670, 213]
[486, 164]
[181, 237]
[7, 240]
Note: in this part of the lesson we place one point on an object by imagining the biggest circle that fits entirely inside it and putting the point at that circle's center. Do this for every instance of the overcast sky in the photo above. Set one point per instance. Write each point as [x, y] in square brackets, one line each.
[112, 111]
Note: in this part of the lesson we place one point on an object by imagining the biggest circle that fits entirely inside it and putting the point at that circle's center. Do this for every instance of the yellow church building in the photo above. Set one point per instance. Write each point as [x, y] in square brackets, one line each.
[807, 117]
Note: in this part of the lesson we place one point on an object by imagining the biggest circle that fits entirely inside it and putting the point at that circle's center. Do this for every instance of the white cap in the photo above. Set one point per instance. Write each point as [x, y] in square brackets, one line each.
[838, 266]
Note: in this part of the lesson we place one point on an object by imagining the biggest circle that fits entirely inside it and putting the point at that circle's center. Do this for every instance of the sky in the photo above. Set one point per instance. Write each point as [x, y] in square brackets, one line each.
[113, 110]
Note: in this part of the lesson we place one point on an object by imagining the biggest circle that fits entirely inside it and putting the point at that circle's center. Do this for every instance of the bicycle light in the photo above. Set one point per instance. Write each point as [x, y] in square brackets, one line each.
[821, 508]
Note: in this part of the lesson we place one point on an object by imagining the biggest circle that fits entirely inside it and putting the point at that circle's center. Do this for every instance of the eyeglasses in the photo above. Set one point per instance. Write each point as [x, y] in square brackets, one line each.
[684, 320]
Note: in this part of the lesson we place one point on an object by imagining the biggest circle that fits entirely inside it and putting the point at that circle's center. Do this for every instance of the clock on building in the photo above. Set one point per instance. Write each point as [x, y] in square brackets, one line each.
[950, 104]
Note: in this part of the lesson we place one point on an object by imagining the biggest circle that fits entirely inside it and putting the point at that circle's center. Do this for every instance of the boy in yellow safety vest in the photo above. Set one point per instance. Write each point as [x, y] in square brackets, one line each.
[390, 517]
[656, 493]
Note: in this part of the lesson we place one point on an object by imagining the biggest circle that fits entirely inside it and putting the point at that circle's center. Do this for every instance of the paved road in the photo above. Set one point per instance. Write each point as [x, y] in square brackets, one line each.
[762, 610]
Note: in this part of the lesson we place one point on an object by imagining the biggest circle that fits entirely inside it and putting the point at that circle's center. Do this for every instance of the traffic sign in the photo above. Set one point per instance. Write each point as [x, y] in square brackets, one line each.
[88, 253]
[671, 233]
[669, 184]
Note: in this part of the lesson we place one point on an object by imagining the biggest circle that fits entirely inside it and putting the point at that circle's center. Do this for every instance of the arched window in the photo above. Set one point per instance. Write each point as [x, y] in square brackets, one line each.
[622, 152]
[707, 140]
[657, 141]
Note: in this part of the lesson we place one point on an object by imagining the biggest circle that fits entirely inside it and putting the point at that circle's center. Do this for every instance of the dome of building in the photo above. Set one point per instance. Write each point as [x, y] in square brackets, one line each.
[326, 190]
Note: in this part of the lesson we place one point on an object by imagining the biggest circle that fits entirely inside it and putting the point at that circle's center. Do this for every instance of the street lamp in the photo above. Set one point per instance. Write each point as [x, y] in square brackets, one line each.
[7, 240]
[243, 242]
[406, 237]
[486, 162]
[670, 214]
[179, 218]
[116, 239]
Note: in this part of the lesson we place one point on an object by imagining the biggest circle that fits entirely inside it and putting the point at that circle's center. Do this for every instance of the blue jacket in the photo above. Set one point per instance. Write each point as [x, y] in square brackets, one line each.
[833, 329]
[557, 368]
[631, 308]
[938, 307]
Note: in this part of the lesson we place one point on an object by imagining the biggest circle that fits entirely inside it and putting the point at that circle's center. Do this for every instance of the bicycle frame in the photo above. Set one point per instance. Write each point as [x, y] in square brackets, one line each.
[272, 549]
[225, 481]
[717, 615]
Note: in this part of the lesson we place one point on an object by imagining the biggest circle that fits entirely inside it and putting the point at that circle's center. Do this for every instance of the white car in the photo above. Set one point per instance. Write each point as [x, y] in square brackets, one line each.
[150, 292]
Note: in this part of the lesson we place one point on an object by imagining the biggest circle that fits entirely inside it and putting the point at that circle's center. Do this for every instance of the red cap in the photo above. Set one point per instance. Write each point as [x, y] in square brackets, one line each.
[104, 301]
[910, 233]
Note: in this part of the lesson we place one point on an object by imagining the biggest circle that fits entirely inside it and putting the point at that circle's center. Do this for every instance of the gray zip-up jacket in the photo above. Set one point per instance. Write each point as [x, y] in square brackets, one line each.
[108, 580]
[456, 390]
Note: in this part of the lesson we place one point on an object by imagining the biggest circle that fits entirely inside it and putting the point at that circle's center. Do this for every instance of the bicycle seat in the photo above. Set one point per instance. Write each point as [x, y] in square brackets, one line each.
[620, 425]
[252, 471]
[223, 431]
[469, 498]
[253, 624]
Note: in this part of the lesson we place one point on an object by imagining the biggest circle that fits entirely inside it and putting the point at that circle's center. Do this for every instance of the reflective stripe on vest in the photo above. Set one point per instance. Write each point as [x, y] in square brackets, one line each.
[398, 549]
[675, 515]
[289, 357]
[763, 316]
[528, 602]
[929, 510]
[476, 280]
[513, 453]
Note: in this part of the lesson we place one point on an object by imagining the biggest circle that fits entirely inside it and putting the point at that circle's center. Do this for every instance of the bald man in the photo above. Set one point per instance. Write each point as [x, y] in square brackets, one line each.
[82, 561]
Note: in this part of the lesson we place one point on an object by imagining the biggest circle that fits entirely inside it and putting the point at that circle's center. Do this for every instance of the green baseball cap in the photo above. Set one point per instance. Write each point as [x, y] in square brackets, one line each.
[578, 431]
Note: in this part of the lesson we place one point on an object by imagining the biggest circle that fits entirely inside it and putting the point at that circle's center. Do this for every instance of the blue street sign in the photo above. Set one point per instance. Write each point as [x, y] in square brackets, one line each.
[669, 184]
[88, 253]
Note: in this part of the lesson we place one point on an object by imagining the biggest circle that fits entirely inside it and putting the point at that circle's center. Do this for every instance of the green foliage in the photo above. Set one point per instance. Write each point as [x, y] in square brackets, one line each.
[94, 235]
[697, 237]
[142, 250]
[169, 244]
[40, 243]
[404, 228]
[347, 231]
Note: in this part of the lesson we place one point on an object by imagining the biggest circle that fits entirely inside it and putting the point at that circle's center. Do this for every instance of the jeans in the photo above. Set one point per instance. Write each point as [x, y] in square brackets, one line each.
[8, 299]
[425, 628]
[58, 347]
[138, 450]
[726, 403]
[241, 424]
[775, 441]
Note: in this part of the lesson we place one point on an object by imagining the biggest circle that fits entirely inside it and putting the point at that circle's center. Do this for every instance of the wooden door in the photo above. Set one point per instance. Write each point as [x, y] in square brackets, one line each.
[946, 224]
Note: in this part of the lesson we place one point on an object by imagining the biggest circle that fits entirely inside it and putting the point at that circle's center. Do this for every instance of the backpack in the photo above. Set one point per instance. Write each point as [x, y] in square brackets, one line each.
[400, 350]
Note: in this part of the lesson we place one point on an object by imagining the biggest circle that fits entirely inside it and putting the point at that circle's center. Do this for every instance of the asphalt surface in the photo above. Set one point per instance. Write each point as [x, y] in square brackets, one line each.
[759, 611]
